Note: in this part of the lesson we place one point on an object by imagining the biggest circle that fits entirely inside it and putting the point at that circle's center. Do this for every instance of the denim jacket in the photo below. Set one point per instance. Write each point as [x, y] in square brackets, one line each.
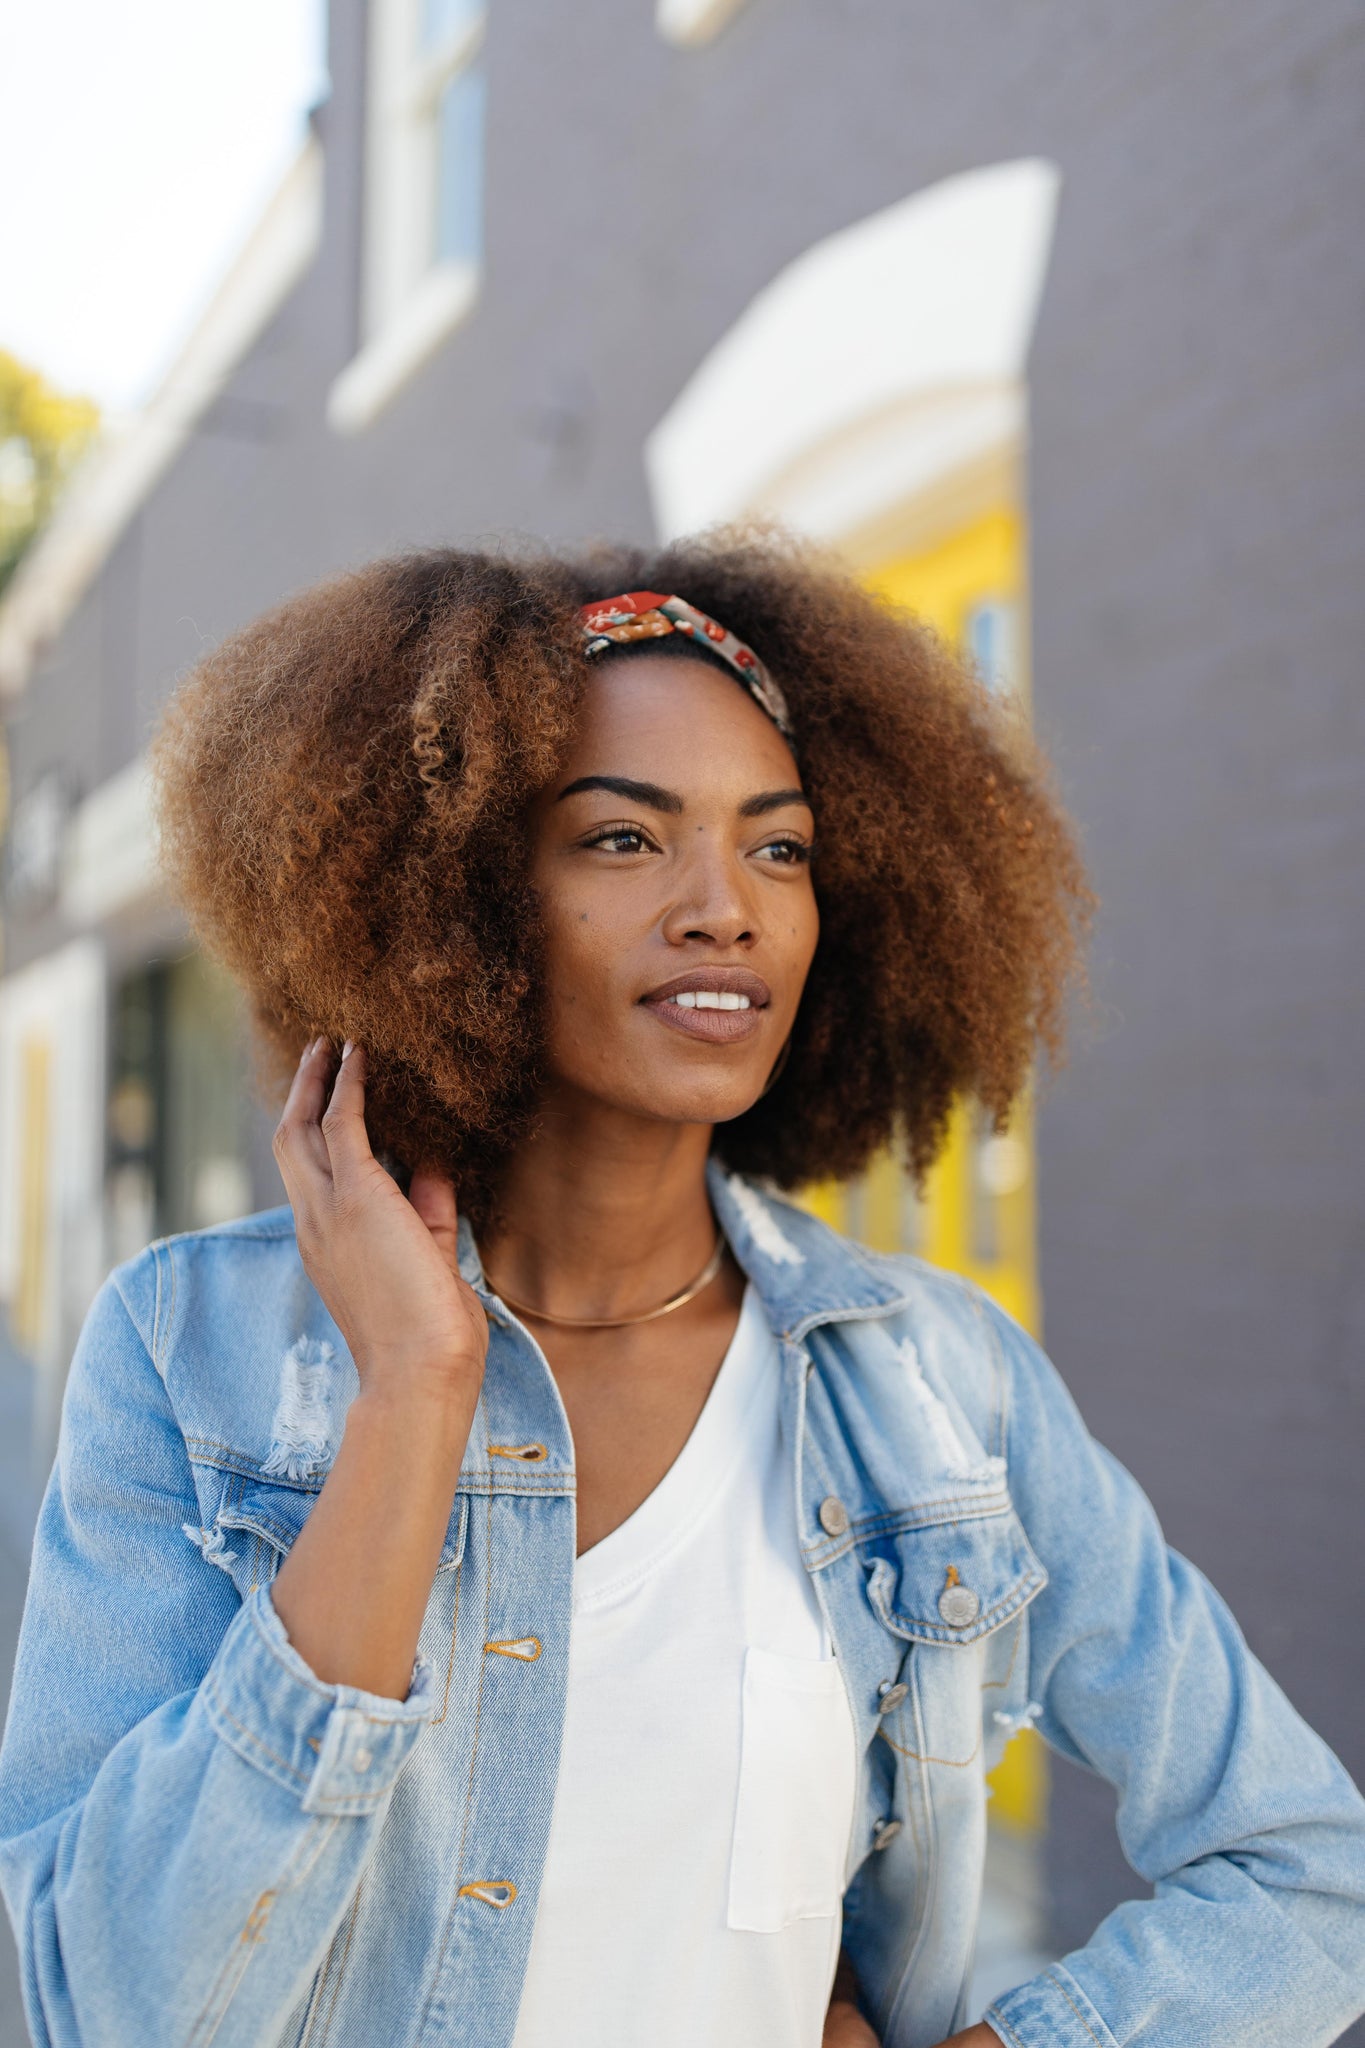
[201, 1842]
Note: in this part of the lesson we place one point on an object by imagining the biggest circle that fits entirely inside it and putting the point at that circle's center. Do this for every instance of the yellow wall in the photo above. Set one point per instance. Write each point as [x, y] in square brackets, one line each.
[977, 1216]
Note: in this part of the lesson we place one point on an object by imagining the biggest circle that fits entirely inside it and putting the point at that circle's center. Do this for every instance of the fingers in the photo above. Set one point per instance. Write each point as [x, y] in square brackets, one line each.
[300, 1149]
[432, 1195]
[343, 1120]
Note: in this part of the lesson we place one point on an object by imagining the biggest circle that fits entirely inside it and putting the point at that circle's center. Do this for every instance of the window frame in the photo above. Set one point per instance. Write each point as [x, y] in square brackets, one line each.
[411, 300]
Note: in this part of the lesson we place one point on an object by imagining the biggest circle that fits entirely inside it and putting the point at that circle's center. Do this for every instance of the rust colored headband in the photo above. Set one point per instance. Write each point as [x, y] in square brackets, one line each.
[648, 615]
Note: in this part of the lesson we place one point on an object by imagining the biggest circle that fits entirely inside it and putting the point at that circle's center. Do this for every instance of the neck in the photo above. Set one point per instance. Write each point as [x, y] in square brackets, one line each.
[602, 1213]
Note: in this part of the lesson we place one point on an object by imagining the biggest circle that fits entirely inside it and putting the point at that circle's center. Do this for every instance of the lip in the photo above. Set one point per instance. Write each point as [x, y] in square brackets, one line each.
[713, 1027]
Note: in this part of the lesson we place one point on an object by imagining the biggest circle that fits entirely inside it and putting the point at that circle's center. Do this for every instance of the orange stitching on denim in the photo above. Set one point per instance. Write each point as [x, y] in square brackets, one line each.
[335, 1975]
[529, 1454]
[999, 1684]
[478, 1705]
[956, 1763]
[239, 1955]
[527, 1648]
[487, 1889]
[455, 1618]
[341, 1964]
[255, 1740]
[258, 1917]
[220, 1995]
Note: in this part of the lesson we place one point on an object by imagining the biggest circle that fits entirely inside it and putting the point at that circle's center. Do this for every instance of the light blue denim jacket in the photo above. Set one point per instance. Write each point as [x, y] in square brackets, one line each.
[203, 1843]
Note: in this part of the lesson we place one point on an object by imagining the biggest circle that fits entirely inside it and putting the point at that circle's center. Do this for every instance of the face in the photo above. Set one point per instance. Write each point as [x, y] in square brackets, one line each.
[672, 860]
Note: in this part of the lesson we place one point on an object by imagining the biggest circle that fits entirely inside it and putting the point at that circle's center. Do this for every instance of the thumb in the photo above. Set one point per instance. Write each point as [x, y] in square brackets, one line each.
[432, 1195]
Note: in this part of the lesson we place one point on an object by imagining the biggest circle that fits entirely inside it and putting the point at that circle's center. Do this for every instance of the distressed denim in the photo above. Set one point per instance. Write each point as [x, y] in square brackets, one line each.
[201, 1842]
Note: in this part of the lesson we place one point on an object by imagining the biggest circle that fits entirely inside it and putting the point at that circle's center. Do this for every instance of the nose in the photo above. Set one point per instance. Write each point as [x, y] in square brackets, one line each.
[711, 902]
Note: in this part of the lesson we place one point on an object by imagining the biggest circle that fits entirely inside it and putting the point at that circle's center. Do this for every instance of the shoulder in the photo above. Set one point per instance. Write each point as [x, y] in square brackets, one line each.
[239, 1336]
[157, 1288]
[791, 1252]
[889, 1314]
[892, 1317]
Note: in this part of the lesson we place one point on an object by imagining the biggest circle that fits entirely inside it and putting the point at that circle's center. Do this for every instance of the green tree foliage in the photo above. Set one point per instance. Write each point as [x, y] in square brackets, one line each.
[43, 435]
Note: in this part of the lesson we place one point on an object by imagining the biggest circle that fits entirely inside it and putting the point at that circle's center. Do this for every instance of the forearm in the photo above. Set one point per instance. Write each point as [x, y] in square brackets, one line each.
[354, 1588]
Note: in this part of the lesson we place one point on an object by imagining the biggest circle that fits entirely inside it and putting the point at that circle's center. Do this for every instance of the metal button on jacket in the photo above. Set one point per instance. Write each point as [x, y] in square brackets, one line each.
[833, 1516]
[959, 1606]
[891, 1698]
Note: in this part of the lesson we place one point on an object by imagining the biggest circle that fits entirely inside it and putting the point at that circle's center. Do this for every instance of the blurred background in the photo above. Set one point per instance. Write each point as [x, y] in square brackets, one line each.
[1050, 319]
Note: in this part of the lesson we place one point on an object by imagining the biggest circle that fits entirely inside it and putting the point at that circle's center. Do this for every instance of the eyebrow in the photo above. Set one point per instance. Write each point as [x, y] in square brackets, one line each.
[647, 793]
[656, 798]
[772, 800]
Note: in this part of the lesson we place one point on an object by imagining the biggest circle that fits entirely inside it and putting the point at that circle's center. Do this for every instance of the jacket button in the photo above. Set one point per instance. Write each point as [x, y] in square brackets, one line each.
[959, 1606]
[885, 1833]
[891, 1698]
[833, 1516]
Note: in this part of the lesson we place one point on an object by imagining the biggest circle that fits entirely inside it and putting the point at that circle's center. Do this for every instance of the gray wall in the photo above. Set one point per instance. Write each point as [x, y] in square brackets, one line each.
[1196, 504]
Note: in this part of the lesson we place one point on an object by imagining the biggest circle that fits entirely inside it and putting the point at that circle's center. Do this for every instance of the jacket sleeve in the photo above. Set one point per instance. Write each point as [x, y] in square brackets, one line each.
[185, 1810]
[1239, 1816]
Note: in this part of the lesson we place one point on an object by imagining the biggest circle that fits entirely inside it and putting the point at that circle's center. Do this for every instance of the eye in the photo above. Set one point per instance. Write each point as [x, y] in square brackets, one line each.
[786, 852]
[622, 838]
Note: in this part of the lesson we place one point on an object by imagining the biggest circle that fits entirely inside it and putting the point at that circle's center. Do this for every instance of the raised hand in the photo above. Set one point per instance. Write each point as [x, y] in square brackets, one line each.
[383, 1262]
[353, 1590]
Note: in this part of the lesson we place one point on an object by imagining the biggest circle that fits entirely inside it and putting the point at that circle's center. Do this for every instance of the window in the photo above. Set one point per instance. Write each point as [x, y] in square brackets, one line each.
[423, 217]
[178, 1103]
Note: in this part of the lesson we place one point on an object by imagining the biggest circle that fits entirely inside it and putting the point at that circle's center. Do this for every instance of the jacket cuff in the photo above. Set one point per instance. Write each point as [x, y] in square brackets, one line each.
[337, 1749]
[1050, 2011]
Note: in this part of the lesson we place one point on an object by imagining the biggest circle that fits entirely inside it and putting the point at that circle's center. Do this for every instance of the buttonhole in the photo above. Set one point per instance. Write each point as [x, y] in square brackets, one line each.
[493, 1891]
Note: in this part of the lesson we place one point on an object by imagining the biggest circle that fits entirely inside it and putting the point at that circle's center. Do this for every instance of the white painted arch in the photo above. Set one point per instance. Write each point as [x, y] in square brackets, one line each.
[909, 330]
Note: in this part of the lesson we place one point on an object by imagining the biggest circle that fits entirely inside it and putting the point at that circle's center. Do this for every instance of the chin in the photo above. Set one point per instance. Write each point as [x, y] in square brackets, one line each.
[713, 1100]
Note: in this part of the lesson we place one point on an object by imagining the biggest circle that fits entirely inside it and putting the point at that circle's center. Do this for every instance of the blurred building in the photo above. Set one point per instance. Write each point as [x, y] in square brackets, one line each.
[1049, 320]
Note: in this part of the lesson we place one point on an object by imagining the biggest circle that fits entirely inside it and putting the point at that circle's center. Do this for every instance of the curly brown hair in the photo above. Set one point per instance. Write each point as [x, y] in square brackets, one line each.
[343, 790]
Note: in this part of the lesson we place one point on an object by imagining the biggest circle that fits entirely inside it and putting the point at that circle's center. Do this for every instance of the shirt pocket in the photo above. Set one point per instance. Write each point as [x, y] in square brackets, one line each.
[793, 1811]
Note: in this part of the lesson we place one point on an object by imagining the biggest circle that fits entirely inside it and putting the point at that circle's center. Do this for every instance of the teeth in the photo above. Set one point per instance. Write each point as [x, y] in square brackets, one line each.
[710, 999]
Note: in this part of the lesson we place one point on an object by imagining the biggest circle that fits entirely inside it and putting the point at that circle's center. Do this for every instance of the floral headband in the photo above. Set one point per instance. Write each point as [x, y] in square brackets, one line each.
[648, 615]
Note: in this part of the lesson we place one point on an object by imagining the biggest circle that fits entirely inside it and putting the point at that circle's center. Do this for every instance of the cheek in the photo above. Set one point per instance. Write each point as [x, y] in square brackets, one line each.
[804, 932]
[580, 952]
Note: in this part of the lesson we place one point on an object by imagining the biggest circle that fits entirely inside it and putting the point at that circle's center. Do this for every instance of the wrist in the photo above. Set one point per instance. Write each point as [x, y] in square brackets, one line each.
[424, 1411]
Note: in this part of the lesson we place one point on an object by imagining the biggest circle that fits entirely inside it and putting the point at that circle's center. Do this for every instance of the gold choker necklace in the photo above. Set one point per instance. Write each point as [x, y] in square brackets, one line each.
[703, 1279]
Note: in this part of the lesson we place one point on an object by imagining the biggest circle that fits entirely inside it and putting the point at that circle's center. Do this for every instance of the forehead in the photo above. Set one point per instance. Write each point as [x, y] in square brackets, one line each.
[643, 714]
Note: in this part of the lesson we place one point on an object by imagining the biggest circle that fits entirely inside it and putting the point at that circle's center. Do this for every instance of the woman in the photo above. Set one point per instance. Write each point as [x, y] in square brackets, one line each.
[546, 1588]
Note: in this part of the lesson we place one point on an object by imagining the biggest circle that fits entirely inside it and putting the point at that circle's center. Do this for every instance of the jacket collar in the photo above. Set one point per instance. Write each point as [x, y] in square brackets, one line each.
[803, 1272]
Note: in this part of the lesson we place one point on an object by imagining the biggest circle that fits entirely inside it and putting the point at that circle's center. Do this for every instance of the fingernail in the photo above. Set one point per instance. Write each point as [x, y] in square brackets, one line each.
[348, 1048]
[318, 1042]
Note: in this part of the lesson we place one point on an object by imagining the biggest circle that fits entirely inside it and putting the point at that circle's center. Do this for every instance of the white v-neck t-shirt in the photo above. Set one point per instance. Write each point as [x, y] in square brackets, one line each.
[695, 1869]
